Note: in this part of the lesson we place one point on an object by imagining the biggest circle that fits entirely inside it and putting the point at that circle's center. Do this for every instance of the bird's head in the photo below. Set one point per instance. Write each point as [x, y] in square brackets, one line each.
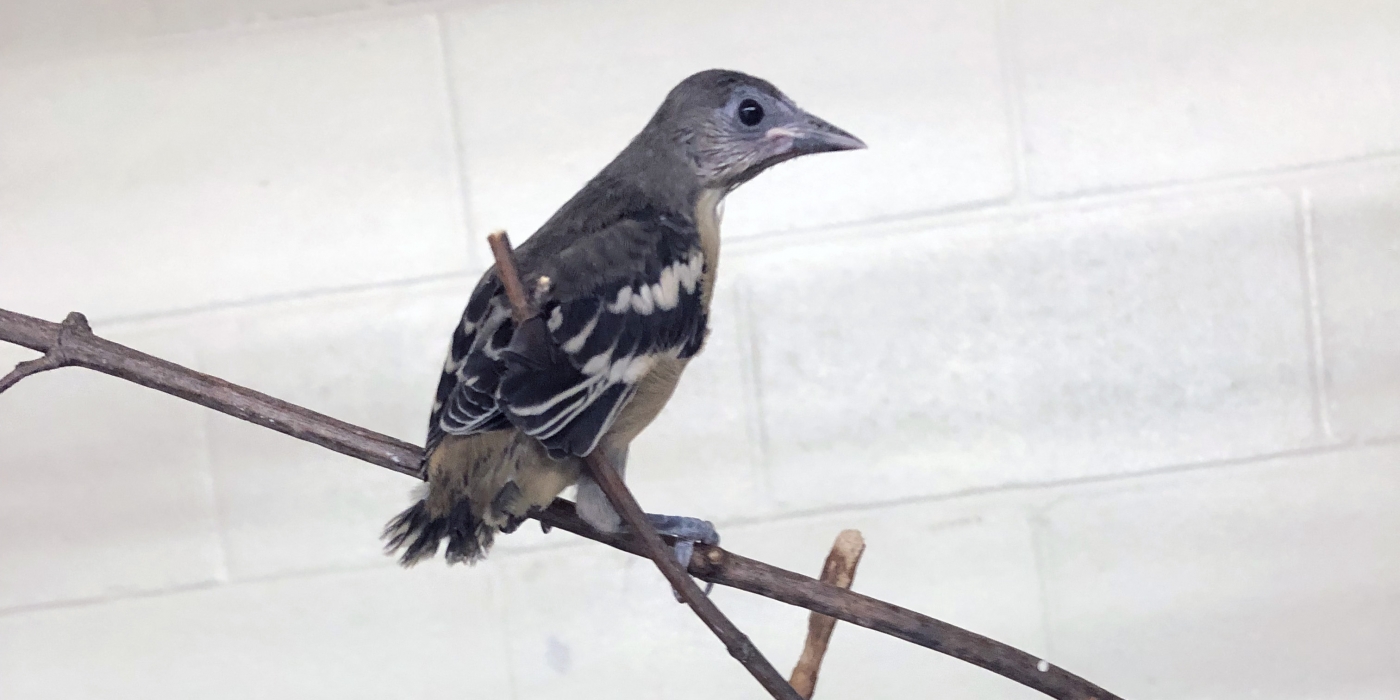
[730, 127]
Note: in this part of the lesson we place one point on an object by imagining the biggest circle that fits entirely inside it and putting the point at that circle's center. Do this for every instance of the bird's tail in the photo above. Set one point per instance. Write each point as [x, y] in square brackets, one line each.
[417, 532]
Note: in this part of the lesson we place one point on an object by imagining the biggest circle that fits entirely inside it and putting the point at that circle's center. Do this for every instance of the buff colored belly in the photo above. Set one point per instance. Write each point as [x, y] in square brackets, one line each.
[653, 391]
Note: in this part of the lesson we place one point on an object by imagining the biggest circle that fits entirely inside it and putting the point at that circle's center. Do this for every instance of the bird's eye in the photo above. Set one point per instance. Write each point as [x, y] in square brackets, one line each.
[750, 112]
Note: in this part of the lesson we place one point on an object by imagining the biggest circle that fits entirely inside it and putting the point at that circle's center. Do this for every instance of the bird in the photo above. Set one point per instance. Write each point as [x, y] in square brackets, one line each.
[630, 261]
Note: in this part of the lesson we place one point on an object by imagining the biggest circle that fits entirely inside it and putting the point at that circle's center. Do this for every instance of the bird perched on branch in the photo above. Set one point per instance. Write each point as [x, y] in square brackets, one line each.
[631, 262]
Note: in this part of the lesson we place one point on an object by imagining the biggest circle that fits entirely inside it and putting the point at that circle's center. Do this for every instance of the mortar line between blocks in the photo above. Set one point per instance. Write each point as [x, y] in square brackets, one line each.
[222, 572]
[122, 320]
[1227, 181]
[70, 47]
[103, 599]
[1335, 447]
[751, 375]
[781, 517]
[1000, 209]
[1316, 350]
[1036, 521]
[500, 602]
[453, 97]
[953, 216]
[1010, 65]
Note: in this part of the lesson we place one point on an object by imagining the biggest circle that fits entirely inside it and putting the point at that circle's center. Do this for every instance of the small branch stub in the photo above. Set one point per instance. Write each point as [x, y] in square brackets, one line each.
[839, 571]
[506, 271]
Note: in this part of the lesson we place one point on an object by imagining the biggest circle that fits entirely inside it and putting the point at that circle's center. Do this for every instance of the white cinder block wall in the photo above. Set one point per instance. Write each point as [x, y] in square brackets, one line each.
[1099, 343]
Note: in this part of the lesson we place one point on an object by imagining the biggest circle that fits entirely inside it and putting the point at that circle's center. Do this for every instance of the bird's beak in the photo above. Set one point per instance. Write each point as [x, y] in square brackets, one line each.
[811, 134]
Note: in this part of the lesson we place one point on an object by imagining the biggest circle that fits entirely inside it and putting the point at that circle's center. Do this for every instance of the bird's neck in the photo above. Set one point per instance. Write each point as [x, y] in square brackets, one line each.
[709, 209]
[653, 167]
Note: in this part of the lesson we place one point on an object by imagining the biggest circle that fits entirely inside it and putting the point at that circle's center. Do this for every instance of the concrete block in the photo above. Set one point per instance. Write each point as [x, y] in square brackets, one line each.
[104, 485]
[370, 358]
[1356, 227]
[365, 634]
[1127, 94]
[1272, 580]
[907, 361]
[204, 170]
[544, 110]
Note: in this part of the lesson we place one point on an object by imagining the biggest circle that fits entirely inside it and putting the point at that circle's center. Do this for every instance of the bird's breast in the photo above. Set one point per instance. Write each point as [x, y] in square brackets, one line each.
[653, 391]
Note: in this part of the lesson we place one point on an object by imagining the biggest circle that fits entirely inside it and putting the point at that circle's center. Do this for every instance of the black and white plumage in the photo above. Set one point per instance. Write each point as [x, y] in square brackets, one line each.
[630, 262]
[564, 376]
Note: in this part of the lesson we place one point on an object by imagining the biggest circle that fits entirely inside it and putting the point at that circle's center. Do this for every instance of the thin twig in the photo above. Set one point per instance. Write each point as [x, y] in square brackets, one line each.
[711, 564]
[840, 571]
[509, 275]
[607, 478]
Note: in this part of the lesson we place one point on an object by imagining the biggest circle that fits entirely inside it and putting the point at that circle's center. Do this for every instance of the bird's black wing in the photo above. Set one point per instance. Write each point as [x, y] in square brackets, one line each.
[466, 392]
[621, 299]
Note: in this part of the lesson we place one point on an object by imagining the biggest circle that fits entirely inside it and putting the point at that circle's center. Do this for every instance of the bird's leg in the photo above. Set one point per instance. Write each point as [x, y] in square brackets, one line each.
[591, 503]
[595, 510]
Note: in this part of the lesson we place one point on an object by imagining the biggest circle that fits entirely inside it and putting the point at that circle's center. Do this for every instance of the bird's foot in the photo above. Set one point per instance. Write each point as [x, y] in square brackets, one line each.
[686, 532]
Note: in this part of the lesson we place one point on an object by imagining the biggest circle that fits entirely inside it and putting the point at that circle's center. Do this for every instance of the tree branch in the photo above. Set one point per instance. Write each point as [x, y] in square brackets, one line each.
[81, 348]
[610, 482]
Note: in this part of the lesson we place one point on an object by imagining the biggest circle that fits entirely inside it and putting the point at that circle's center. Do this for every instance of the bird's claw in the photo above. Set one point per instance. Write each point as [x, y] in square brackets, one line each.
[684, 548]
[683, 528]
[686, 532]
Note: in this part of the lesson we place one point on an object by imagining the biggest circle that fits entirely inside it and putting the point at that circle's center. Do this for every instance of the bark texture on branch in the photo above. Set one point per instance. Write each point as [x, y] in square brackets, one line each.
[81, 348]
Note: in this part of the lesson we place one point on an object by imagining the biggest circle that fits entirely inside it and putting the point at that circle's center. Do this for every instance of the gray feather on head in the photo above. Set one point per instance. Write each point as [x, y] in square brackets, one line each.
[731, 126]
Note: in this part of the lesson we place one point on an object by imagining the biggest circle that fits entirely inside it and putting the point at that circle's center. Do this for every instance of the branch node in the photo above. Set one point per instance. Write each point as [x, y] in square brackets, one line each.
[542, 287]
[715, 556]
[74, 325]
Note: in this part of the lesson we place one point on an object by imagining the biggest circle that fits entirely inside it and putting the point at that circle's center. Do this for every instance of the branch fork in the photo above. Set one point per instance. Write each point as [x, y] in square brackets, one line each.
[56, 356]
